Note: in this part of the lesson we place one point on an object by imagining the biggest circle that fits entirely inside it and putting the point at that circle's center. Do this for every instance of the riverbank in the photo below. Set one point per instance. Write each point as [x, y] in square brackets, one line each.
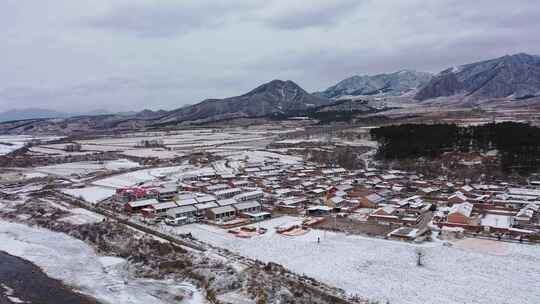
[23, 282]
[105, 278]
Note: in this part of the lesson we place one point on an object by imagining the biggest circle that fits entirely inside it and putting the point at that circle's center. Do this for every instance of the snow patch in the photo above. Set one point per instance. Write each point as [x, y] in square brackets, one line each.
[77, 264]
[386, 270]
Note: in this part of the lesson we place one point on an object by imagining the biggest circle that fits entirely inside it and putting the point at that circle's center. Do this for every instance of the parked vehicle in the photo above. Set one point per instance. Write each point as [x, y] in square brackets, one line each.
[176, 221]
[152, 220]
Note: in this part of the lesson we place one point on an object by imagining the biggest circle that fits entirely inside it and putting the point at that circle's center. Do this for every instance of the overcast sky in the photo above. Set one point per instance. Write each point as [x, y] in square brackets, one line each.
[134, 54]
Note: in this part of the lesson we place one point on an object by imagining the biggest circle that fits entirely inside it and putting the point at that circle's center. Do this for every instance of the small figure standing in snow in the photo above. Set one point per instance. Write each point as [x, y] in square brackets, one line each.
[419, 255]
[318, 240]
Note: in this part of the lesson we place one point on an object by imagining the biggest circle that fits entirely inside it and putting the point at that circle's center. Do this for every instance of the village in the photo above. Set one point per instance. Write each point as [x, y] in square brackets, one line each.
[246, 191]
[389, 204]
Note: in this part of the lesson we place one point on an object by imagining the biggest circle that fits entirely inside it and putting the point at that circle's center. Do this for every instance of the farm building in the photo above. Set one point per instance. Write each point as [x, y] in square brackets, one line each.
[318, 192]
[248, 196]
[240, 183]
[337, 201]
[186, 202]
[248, 207]
[259, 216]
[319, 210]
[216, 187]
[134, 193]
[461, 214]
[227, 202]
[183, 211]
[383, 212]
[205, 199]
[370, 200]
[161, 208]
[457, 198]
[203, 207]
[526, 215]
[291, 205]
[227, 193]
[167, 193]
[531, 194]
[135, 206]
[221, 213]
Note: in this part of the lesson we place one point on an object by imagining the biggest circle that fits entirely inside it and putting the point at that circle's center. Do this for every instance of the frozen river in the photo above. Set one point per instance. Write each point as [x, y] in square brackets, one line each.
[77, 265]
[24, 282]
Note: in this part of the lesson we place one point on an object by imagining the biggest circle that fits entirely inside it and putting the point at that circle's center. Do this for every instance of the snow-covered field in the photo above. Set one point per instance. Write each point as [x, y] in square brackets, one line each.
[141, 176]
[159, 153]
[260, 156]
[44, 151]
[82, 216]
[84, 168]
[178, 140]
[335, 140]
[77, 264]
[126, 179]
[386, 270]
[9, 143]
[91, 194]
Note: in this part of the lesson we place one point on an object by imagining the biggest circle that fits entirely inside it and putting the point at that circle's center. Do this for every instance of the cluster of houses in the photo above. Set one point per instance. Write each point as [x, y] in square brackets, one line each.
[391, 197]
[185, 207]
[256, 192]
[493, 208]
[454, 206]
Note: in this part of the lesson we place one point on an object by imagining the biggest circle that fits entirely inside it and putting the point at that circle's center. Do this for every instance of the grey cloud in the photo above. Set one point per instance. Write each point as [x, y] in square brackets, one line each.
[294, 15]
[168, 18]
[134, 54]
[115, 94]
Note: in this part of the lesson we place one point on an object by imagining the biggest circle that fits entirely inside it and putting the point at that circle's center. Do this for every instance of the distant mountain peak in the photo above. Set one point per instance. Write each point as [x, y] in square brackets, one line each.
[515, 75]
[29, 113]
[396, 83]
[283, 97]
[274, 85]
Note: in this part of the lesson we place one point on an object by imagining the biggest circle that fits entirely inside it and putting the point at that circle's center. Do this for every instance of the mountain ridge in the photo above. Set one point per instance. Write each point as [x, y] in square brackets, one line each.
[277, 97]
[41, 113]
[493, 83]
[392, 84]
[511, 76]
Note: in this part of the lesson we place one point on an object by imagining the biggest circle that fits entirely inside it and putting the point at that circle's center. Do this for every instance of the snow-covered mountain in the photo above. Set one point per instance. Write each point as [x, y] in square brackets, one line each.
[508, 81]
[393, 84]
[513, 76]
[276, 97]
[38, 113]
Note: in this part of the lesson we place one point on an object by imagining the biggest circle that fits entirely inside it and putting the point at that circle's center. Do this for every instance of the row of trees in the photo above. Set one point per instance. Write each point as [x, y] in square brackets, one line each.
[518, 144]
[346, 157]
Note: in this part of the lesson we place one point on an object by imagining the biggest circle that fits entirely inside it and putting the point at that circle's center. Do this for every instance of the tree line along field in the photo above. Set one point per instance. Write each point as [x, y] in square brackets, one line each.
[517, 144]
